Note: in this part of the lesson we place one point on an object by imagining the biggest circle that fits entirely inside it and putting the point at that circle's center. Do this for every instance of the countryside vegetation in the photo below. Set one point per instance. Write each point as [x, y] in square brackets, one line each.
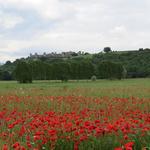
[105, 105]
[74, 66]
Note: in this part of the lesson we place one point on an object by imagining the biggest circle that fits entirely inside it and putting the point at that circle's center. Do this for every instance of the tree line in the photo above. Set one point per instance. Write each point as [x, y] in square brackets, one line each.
[66, 70]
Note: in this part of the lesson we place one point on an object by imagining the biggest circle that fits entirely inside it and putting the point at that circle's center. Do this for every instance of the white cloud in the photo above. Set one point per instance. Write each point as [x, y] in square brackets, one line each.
[4, 58]
[47, 9]
[78, 24]
[119, 33]
[119, 30]
[9, 21]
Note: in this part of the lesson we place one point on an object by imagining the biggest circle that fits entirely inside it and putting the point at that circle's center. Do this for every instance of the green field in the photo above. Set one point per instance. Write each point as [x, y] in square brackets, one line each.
[99, 88]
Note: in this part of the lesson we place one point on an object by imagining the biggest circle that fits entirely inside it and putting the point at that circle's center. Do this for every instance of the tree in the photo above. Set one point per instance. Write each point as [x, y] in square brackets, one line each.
[6, 76]
[8, 62]
[61, 71]
[86, 69]
[109, 70]
[107, 49]
[141, 49]
[74, 69]
[23, 72]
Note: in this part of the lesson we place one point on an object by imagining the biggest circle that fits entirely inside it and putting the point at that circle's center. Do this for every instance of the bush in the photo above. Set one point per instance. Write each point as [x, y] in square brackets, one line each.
[93, 78]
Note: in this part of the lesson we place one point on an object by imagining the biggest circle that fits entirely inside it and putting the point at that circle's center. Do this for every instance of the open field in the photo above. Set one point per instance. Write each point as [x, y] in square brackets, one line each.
[78, 115]
[100, 88]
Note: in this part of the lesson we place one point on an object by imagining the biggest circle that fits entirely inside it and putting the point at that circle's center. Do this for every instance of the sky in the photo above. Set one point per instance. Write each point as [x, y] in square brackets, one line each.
[29, 26]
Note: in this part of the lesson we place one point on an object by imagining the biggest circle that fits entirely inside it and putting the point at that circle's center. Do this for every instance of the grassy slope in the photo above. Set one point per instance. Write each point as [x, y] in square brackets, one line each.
[122, 88]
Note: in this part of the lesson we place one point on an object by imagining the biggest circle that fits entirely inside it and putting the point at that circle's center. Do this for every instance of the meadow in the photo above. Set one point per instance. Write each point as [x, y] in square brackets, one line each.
[75, 115]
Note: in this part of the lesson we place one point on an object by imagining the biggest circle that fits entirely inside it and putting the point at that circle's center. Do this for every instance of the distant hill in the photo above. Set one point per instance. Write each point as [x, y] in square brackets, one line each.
[136, 62]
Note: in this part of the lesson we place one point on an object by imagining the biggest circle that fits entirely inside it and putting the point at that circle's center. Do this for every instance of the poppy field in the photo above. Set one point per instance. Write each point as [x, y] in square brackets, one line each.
[107, 115]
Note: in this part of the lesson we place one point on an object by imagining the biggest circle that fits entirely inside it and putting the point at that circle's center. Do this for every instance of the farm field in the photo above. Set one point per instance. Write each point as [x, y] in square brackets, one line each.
[77, 115]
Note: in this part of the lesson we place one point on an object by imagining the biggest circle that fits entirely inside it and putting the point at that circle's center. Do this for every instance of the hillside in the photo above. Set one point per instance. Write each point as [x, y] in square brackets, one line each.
[137, 63]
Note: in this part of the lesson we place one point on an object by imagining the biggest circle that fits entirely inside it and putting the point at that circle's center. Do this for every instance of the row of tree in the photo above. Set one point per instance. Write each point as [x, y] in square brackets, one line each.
[84, 69]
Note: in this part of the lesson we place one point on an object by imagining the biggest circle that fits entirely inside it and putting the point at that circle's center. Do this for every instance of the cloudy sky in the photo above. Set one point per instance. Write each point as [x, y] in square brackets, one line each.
[29, 26]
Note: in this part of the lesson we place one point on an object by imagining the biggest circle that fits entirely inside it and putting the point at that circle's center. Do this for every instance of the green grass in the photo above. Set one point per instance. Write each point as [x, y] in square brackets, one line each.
[99, 88]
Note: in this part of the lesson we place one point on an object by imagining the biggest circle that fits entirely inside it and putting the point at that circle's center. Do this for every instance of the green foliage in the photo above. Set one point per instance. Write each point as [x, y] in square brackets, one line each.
[135, 64]
[23, 72]
[5, 75]
[109, 70]
[107, 49]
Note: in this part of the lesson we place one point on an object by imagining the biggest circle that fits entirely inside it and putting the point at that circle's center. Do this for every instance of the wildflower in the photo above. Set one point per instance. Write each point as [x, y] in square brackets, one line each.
[125, 137]
[118, 148]
[5, 147]
[22, 148]
[16, 145]
[22, 131]
[129, 145]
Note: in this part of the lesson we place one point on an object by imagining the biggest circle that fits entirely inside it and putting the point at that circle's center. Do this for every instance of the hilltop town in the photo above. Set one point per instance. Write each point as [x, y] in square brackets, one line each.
[57, 55]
